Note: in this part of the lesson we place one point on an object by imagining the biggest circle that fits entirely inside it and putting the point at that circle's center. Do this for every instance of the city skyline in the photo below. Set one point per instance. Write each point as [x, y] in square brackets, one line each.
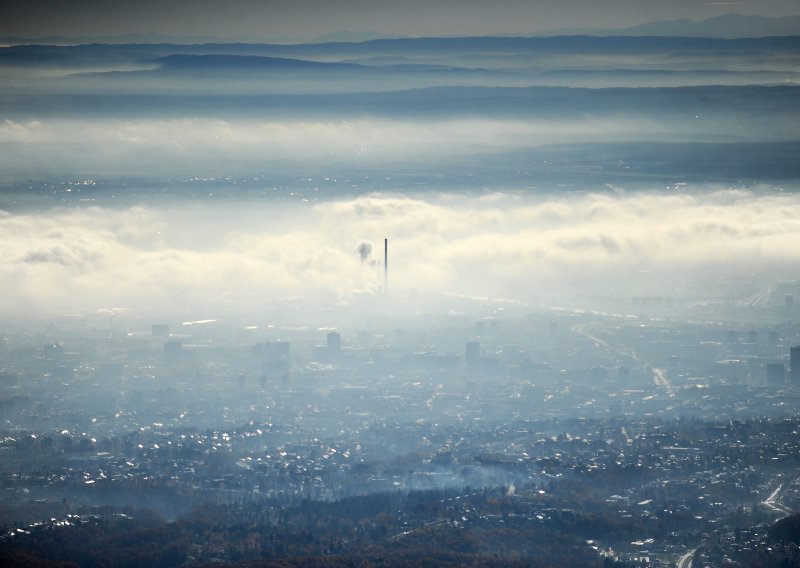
[587, 353]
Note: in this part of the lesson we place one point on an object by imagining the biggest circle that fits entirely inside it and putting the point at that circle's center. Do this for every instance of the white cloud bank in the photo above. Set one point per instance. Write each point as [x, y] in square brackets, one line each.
[182, 258]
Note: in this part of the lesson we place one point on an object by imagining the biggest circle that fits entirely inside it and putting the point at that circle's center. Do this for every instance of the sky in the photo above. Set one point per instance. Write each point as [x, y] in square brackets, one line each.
[530, 194]
[305, 19]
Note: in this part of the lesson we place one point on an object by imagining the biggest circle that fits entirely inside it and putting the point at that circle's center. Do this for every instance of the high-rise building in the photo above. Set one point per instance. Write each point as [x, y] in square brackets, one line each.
[275, 362]
[334, 341]
[472, 353]
[794, 364]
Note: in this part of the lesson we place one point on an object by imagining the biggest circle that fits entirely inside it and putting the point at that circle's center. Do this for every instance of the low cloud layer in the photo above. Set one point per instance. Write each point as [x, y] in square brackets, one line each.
[529, 248]
[57, 149]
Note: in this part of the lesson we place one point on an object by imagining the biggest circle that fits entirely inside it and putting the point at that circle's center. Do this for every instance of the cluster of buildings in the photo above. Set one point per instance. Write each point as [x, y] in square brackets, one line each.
[776, 372]
[664, 423]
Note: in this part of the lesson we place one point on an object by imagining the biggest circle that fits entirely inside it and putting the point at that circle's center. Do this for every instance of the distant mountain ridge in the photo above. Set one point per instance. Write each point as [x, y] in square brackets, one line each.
[247, 62]
[727, 26]
[352, 37]
[33, 54]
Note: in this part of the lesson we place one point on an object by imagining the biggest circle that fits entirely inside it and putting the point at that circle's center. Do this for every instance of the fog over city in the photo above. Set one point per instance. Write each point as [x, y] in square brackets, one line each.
[380, 284]
[527, 247]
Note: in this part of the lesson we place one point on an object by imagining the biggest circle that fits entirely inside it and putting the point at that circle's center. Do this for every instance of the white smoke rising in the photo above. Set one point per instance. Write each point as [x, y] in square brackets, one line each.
[364, 249]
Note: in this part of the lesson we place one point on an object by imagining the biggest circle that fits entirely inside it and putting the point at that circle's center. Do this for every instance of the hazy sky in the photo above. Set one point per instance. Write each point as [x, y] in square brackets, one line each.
[310, 18]
[491, 243]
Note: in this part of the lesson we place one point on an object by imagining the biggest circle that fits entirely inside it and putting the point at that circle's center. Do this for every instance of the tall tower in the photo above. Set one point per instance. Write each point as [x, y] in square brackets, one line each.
[794, 364]
[385, 266]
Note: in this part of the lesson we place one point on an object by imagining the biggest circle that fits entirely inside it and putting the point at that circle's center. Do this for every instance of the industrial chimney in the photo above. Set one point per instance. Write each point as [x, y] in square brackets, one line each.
[385, 266]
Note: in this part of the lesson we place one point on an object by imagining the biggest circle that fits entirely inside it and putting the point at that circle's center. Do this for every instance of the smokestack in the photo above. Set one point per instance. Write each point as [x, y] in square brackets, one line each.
[386, 266]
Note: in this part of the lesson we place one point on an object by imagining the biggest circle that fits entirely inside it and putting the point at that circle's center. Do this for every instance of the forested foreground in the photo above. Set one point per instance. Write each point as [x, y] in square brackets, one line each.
[430, 528]
[560, 520]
